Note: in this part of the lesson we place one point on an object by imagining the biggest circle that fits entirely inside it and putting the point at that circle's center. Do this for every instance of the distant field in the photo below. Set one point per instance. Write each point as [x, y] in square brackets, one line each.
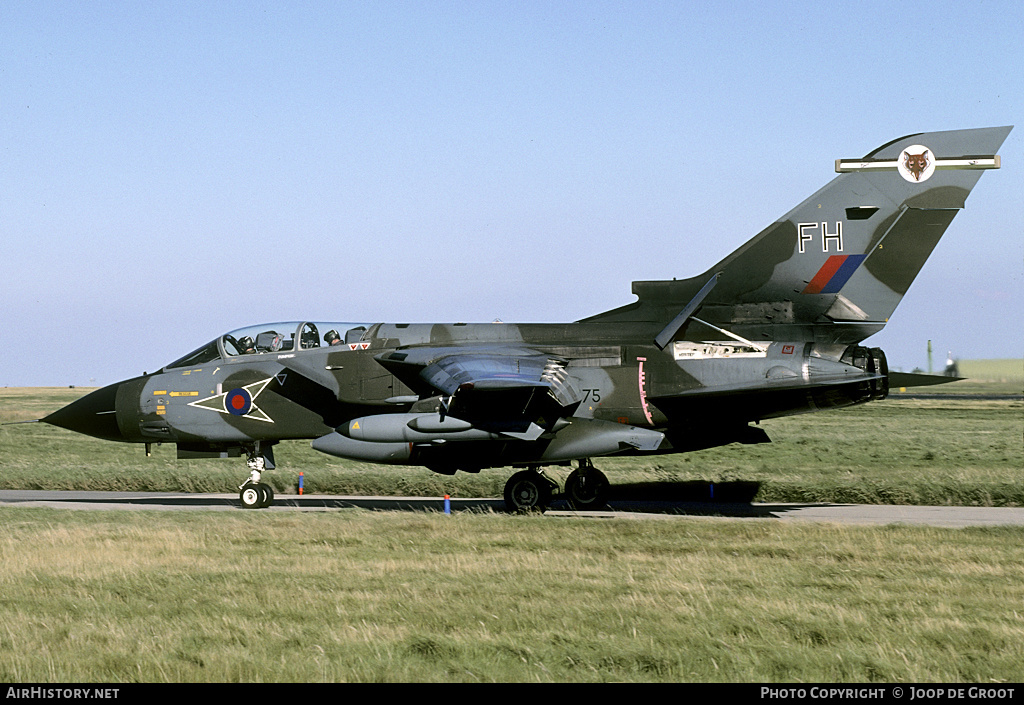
[996, 371]
[980, 377]
[993, 370]
[900, 451]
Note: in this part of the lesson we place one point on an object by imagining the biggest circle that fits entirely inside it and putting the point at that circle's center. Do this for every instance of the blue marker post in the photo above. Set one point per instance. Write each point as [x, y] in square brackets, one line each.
[447, 504]
[301, 478]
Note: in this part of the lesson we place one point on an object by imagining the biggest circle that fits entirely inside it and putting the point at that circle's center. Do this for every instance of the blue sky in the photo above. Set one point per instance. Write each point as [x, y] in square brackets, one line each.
[171, 171]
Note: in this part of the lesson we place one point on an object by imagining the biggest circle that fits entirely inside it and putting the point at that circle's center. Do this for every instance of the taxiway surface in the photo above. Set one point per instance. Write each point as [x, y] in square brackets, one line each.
[865, 514]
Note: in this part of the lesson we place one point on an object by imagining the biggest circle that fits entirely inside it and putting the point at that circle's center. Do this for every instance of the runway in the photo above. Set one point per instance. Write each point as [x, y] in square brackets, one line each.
[850, 514]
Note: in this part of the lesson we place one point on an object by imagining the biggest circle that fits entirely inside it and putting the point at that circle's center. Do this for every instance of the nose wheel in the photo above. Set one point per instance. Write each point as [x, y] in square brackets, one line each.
[256, 496]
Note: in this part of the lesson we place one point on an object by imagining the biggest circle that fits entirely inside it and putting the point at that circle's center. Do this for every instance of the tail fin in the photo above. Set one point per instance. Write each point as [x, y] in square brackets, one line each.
[834, 268]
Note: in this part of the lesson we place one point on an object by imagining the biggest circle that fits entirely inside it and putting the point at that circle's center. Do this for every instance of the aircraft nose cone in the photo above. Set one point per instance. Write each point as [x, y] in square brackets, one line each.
[94, 415]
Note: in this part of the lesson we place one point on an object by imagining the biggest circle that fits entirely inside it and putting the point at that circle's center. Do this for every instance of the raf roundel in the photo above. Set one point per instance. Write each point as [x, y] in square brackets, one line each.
[238, 402]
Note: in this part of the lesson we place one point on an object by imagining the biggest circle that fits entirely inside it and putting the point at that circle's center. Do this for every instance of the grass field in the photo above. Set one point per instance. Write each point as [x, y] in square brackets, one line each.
[356, 595]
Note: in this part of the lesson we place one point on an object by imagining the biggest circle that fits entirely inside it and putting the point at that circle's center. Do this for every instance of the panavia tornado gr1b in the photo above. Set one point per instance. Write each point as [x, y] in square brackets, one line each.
[772, 330]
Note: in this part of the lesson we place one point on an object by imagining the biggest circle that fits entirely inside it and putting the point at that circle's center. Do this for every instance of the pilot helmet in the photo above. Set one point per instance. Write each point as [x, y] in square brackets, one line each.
[245, 343]
[331, 336]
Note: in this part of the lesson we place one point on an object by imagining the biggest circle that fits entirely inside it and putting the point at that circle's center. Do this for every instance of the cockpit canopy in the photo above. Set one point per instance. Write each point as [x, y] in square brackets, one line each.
[274, 338]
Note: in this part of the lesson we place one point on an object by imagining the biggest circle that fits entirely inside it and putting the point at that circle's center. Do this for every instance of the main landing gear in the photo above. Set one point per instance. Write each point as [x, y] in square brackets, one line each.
[253, 493]
[586, 488]
[529, 490]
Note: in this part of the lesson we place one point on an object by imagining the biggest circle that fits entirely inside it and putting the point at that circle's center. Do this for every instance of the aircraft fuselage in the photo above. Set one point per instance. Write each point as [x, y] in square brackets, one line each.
[689, 391]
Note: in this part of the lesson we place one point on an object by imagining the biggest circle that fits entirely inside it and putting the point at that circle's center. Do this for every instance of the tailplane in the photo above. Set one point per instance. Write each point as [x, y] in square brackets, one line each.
[834, 268]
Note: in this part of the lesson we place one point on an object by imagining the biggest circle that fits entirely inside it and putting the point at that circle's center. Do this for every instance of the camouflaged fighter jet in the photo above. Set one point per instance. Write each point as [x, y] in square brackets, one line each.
[772, 330]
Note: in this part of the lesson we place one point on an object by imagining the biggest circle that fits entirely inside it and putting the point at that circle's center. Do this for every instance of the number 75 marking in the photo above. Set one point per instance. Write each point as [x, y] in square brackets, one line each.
[593, 395]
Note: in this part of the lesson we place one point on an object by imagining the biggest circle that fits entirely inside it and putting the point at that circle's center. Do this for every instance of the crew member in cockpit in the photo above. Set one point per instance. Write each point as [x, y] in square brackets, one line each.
[331, 337]
[246, 345]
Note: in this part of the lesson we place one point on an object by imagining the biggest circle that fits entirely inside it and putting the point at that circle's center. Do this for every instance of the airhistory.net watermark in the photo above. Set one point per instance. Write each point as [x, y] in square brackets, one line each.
[44, 693]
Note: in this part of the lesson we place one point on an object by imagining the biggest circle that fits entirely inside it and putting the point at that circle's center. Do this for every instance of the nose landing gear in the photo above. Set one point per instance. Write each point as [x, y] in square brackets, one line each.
[253, 493]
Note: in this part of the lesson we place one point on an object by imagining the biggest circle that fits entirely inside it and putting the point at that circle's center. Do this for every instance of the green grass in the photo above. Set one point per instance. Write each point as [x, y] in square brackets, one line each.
[364, 596]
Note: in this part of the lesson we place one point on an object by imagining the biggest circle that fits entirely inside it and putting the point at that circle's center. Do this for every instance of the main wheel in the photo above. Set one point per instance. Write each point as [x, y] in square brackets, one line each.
[587, 490]
[527, 491]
